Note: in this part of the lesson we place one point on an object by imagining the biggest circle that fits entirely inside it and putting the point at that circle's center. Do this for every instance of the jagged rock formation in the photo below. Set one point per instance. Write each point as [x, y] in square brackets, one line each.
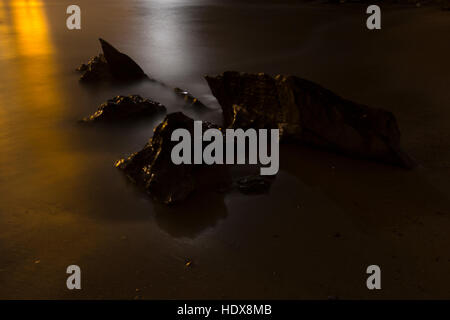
[111, 65]
[122, 108]
[310, 114]
[152, 167]
[95, 69]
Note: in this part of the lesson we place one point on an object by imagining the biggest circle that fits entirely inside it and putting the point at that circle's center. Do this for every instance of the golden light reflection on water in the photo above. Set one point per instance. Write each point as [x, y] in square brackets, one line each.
[23, 29]
[5, 30]
[39, 171]
[31, 27]
[33, 94]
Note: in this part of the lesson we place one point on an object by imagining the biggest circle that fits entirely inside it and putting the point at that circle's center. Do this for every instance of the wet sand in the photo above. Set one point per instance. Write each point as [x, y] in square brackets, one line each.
[326, 217]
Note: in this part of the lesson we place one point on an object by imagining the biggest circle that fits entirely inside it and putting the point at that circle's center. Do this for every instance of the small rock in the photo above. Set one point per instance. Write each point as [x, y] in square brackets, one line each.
[96, 69]
[126, 108]
[190, 99]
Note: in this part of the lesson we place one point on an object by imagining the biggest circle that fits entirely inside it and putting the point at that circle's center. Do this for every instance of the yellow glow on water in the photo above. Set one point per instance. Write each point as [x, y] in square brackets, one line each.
[26, 21]
[33, 91]
[32, 43]
[5, 30]
[31, 26]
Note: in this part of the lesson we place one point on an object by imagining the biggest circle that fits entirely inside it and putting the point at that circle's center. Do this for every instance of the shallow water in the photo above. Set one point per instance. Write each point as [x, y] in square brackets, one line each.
[63, 202]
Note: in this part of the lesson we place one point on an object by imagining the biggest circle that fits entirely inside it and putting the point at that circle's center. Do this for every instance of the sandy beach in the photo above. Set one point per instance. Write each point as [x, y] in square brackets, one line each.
[326, 218]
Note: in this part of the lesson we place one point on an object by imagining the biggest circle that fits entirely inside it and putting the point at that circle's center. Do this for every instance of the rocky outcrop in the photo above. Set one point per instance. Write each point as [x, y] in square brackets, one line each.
[190, 100]
[308, 113]
[121, 65]
[111, 65]
[95, 69]
[122, 108]
[152, 167]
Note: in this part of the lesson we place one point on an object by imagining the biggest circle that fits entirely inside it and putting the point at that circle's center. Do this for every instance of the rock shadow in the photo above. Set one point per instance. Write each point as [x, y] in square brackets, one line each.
[200, 212]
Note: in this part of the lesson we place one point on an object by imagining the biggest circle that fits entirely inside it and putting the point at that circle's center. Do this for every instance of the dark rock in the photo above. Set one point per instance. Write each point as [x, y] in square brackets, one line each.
[308, 113]
[121, 65]
[152, 167]
[96, 69]
[84, 66]
[190, 99]
[123, 108]
[256, 184]
[112, 64]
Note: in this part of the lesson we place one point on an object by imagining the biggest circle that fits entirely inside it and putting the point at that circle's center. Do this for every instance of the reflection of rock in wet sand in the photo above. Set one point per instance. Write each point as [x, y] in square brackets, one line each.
[200, 212]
